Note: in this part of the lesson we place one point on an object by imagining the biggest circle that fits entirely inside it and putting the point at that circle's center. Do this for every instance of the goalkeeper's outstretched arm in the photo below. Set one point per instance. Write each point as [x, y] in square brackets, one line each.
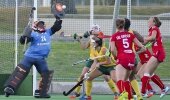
[57, 26]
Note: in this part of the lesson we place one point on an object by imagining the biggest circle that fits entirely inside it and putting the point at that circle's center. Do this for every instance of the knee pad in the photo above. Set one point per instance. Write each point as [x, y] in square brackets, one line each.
[17, 77]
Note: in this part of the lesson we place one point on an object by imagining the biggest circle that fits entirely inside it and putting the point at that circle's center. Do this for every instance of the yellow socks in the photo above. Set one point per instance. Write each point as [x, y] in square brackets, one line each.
[77, 90]
[112, 85]
[135, 86]
[88, 87]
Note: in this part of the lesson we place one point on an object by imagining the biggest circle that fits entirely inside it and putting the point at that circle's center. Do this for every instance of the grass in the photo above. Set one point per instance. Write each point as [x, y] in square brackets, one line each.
[62, 56]
[61, 97]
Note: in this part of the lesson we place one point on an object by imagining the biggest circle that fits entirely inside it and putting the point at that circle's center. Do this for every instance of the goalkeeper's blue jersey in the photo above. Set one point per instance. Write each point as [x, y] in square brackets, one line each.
[40, 45]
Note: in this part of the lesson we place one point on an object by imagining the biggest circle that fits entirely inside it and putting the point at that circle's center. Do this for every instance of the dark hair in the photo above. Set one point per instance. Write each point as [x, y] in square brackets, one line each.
[120, 23]
[127, 24]
[99, 41]
[157, 21]
[40, 22]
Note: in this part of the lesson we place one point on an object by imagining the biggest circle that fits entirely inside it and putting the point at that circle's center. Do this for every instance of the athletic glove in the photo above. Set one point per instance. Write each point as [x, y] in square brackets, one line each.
[58, 14]
[22, 39]
[86, 34]
[87, 75]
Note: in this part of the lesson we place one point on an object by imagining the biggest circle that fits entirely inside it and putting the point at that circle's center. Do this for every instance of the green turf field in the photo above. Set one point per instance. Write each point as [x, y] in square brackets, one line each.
[62, 56]
[60, 97]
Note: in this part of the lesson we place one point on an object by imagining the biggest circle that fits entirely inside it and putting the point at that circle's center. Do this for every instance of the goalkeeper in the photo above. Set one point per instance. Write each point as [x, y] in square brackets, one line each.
[89, 43]
[36, 54]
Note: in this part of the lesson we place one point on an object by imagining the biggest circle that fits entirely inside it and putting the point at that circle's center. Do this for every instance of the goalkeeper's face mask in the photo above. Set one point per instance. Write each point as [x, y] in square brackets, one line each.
[95, 29]
[41, 26]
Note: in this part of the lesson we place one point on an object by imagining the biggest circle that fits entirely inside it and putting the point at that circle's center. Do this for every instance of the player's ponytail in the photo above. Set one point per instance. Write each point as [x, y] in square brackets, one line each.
[157, 21]
[127, 24]
[120, 23]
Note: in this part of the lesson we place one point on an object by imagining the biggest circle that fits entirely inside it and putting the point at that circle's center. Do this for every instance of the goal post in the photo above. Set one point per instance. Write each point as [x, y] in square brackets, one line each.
[34, 69]
[129, 9]
[115, 14]
[91, 13]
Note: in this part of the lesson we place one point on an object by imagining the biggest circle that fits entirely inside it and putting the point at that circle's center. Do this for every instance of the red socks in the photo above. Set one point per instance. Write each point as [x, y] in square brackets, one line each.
[156, 79]
[149, 87]
[120, 85]
[128, 88]
[145, 81]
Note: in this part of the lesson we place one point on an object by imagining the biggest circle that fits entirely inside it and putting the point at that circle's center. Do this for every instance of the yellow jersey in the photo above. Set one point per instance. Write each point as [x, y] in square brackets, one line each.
[95, 53]
[91, 48]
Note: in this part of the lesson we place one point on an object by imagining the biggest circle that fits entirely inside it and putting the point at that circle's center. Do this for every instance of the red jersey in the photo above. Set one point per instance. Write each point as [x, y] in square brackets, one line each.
[125, 55]
[123, 43]
[157, 44]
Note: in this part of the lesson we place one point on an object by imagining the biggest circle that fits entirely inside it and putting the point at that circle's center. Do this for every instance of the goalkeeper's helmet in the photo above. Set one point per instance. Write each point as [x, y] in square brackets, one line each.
[95, 28]
[39, 26]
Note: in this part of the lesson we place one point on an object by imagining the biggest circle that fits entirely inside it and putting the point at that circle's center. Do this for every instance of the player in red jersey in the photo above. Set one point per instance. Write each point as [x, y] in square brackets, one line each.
[144, 57]
[157, 57]
[121, 48]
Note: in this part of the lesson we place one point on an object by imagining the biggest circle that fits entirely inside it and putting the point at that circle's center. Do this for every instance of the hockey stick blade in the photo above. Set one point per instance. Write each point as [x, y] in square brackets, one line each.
[75, 86]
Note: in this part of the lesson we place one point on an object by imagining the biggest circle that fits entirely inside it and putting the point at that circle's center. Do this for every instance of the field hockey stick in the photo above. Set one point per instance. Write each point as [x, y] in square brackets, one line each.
[149, 44]
[78, 84]
[30, 25]
[81, 61]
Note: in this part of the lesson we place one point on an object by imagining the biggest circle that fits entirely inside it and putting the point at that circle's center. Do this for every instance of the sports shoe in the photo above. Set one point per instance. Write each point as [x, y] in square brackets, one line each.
[152, 92]
[147, 95]
[8, 91]
[116, 96]
[164, 91]
[38, 95]
[123, 95]
[74, 95]
[88, 98]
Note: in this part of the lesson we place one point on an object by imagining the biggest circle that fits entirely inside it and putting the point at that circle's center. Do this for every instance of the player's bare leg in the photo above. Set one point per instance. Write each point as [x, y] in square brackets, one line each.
[122, 76]
[153, 64]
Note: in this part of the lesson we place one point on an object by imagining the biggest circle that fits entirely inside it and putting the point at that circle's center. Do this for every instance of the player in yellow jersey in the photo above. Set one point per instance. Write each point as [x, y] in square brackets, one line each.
[89, 44]
[100, 66]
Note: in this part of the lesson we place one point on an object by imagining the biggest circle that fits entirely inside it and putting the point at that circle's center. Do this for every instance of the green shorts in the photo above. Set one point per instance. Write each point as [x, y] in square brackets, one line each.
[89, 63]
[106, 70]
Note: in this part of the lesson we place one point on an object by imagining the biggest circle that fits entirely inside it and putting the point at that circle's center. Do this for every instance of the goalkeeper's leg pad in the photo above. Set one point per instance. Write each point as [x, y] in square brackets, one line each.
[16, 78]
[44, 85]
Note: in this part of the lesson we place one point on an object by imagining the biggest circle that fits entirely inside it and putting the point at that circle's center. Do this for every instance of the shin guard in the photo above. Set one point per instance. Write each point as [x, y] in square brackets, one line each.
[45, 82]
[17, 77]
